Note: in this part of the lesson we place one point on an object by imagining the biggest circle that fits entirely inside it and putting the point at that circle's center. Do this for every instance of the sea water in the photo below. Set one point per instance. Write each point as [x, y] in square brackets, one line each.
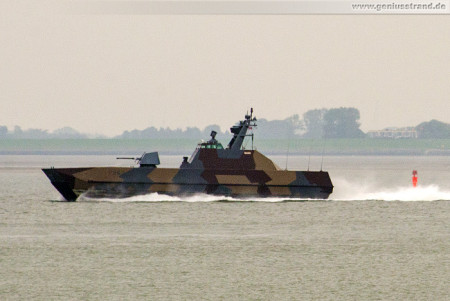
[375, 238]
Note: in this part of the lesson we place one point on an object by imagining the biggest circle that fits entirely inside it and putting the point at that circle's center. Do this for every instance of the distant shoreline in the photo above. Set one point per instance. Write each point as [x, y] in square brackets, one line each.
[329, 147]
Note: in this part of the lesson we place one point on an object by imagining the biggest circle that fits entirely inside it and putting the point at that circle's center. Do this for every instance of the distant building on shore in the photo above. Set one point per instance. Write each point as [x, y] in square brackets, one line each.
[394, 133]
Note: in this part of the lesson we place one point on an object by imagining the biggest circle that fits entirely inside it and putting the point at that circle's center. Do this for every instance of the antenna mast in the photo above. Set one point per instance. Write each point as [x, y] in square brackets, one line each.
[321, 163]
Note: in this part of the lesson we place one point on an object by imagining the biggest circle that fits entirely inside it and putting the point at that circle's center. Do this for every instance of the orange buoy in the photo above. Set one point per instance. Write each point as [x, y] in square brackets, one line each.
[414, 178]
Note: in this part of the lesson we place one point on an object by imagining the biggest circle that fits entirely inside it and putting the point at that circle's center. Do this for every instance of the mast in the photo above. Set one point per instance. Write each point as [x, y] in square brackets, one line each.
[240, 131]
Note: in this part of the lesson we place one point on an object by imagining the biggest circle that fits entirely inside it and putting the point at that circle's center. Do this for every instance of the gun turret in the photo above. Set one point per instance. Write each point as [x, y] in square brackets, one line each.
[147, 159]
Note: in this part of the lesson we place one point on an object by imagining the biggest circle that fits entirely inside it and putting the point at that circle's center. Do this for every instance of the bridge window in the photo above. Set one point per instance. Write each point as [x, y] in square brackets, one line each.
[211, 146]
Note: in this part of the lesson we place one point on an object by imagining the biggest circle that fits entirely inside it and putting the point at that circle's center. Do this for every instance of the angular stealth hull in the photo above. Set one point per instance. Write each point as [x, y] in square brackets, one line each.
[117, 182]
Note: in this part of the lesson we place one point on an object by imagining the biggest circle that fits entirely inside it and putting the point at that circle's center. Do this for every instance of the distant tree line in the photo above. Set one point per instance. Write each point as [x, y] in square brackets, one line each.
[167, 133]
[63, 133]
[433, 129]
[321, 123]
[332, 123]
[287, 128]
[318, 123]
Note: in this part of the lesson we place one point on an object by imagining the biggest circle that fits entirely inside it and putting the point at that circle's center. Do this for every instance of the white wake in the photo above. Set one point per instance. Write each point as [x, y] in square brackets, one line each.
[343, 191]
[348, 191]
[196, 198]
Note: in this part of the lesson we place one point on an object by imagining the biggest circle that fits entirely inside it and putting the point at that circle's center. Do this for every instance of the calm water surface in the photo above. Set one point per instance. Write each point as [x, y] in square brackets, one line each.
[376, 239]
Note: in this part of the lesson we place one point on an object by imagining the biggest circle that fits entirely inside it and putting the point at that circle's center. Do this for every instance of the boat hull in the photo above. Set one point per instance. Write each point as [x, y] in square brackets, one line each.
[118, 182]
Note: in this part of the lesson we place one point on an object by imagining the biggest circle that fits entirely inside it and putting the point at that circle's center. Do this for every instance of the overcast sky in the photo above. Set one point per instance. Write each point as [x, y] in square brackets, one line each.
[110, 73]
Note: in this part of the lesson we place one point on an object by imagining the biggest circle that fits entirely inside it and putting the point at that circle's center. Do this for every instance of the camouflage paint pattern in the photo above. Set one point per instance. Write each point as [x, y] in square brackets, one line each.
[246, 175]
[232, 171]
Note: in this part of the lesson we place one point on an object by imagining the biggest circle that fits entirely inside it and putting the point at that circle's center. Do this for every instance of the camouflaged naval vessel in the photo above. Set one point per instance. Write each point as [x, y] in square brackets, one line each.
[212, 169]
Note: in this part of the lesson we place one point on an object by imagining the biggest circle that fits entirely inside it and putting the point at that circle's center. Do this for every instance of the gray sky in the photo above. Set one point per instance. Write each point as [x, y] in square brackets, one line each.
[110, 73]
